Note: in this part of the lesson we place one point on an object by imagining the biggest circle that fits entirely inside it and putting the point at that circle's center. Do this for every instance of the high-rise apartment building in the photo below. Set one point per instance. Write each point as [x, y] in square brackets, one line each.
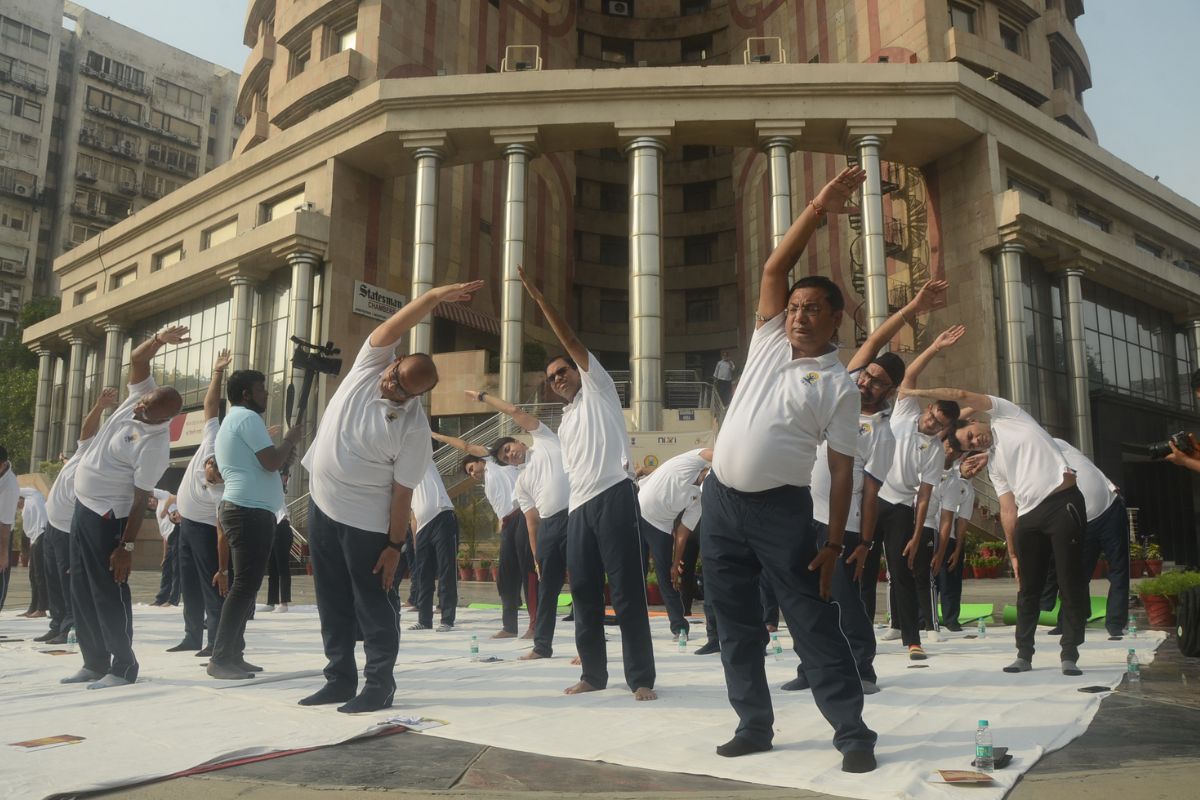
[97, 121]
[641, 158]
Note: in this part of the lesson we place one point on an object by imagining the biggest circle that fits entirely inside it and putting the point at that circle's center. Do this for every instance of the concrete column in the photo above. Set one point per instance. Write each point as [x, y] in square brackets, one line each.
[41, 409]
[1077, 369]
[114, 344]
[645, 280]
[874, 255]
[303, 264]
[779, 169]
[241, 321]
[429, 161]
[512, 297]
[74, 416]
[1012, 329]
[1194, 337]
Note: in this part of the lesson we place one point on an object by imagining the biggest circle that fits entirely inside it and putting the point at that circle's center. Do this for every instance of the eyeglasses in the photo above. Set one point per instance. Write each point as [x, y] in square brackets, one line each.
[869, 380]
[558, 373]
[807, 310]
[394, 379]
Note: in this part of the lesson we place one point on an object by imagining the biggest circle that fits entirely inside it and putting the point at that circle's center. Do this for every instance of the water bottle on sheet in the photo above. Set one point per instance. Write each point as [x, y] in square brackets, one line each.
[983, 747]
[776, 647]
[1132, 629]
[682, 641]
[71, 640]
[1133, 671]
[474, 647]
[982, 631]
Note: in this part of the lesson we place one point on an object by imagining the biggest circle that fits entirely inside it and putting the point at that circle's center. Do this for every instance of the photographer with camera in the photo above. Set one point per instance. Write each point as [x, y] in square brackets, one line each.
[1182, 448]
[369, 452]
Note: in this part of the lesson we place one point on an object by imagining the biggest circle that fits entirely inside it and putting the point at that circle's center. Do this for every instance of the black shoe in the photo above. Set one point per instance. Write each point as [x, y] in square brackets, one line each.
[953, 626]
[708, 648]
[327, 694]
[737, 746]
[796, 684]
[227, 672]
[1055, 631]
[58, 639]
[241, 663]
[858, 761]
[369, 700]
[184, 647]
[205, 653]
[45, 637]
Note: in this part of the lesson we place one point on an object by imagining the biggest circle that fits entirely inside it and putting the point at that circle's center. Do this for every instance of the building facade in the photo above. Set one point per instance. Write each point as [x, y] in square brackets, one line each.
[640, 159]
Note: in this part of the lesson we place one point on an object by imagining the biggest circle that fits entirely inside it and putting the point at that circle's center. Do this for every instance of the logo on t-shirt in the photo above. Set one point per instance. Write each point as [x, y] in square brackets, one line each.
[811, 378]
[923, 446]
[131, 437]
[864, 428]
[390, 416]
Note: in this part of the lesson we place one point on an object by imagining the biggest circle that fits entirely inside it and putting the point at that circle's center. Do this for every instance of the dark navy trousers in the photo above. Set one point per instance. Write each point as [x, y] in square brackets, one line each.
[949, 583]
[437, 550]
[168, 581]
[516, 562]
[197, 565]
[101, 606]
[58, 581]
[746, 535]
[1053, 527]
[661, 545]
[552, 564]
[602, 538]
[1107, 533]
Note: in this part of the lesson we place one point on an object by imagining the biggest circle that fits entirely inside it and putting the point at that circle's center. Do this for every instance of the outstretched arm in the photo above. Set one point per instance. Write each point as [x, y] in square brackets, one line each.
[832, 199]
[387, 333]
[977, 401]
[459, 444]
[212, 398]
[932, 295]
[944, 339]
[139, 359]
[562, 330]
[91, 423]
[527, 421]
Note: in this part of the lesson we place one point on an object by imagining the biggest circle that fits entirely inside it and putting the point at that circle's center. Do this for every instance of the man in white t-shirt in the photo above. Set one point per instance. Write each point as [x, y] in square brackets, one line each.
[723, 377]
[1042, 511]
[10, 496]
[435, 528]
[33, 522]
[542, 492]
[60, 507]
[113, 483]
[200, 492]
[957, 505]
[369, 453]
[602, 520]
[794, 393]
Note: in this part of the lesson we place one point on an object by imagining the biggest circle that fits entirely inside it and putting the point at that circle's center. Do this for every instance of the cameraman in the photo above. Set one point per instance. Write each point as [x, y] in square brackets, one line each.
[1191, 458]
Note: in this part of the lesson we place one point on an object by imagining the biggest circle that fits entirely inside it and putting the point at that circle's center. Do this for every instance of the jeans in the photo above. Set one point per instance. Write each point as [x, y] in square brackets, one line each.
[249, 532]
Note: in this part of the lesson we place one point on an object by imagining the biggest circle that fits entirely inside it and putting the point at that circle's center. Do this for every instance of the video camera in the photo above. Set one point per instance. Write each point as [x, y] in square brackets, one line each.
[314, 359]
[1157, 450]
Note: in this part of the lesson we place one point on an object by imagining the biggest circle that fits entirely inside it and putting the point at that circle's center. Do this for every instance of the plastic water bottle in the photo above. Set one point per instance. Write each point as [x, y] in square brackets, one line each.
[682, 641]
[474, 647]
[982, 630]
[1132, 628]
[983, 747]
[1133, 671]
[776, 647]
[71, 640]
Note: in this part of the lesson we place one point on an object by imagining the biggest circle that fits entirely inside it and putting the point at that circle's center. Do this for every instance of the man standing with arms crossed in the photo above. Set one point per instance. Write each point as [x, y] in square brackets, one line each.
[794, 393]
[602, 522]
[370, 451]
[113, 483]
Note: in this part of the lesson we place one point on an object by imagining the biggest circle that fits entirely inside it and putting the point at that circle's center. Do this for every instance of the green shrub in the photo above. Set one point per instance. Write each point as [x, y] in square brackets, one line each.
[1169, 584]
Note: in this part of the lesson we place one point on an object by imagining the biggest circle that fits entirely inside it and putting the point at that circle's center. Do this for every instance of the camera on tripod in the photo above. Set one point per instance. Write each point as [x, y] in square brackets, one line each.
[1181, 440]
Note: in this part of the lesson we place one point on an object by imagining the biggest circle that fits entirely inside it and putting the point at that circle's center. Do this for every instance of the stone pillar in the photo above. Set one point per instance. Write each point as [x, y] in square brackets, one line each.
[429, 161]
[1194, 341]
[303, 264]
[241, 322]
[518, 151]
[74, 416]
[1077, 368]
[873, 253]
[779, 169]
[1012, 328]
[645, 280]
[41, 409]
[114, 344]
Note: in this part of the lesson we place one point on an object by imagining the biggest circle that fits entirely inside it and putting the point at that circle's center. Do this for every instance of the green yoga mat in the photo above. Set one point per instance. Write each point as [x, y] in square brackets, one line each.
[1099, 606]
[564, 601]
[971, 612]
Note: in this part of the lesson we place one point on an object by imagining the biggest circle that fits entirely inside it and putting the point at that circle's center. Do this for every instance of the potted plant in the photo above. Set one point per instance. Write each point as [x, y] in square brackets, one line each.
[1160, 595]
[976, 565]
[653, 593]
[483, 572]
[1137, 560]
[496, 572]
[465, 573]
[1153, 559]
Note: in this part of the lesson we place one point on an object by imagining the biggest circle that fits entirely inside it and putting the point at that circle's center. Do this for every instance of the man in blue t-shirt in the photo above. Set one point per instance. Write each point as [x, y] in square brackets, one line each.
[250, 464]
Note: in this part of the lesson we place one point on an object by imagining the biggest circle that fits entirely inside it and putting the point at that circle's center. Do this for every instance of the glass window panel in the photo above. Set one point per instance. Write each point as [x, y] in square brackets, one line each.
[1135, 368]
[1108, 364]
[1121, 365]
[1104, 319]
[1089, 314]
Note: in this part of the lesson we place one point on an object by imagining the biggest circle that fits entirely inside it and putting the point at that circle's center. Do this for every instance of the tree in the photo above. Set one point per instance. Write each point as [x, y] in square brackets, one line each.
[18, 383]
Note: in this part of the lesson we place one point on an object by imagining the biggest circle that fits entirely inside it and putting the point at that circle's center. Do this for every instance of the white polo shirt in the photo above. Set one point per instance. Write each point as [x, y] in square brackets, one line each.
[542, 482]
[1098, 491]
[125, 455]
[783, 409]
[918, 457]
[724, 370]
[1024, 459]
[595, 442]
[60, 504]
[671, 490]
[33, 514]
[429, 498]
[946, 489]
[499, 487]
[959, 499]
[364, 443]
[872, 456]
[198, 499]
[10, 493]
[165, 526]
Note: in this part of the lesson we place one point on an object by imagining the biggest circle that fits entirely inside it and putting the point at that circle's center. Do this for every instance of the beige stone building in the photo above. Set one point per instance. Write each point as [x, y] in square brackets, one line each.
[640, 158]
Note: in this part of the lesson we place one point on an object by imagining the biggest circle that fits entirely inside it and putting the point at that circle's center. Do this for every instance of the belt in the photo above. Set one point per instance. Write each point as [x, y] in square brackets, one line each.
[510, 517]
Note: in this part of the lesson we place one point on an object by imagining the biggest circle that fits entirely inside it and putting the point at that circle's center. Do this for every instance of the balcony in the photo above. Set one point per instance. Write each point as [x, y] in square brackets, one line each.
[322, 84]
[257, 129]
[296, 22]
[8, 267]
[1010, 70]
[254, 77]
[1065, 43]
[121, 149]
[124, 119]
[1065, 106]
[188, 172]
[112, 80]
[14, 78]
[20, 184]
[256, 12]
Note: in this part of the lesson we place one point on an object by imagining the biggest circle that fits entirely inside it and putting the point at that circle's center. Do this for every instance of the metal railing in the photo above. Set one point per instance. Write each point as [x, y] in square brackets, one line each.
[447, 458]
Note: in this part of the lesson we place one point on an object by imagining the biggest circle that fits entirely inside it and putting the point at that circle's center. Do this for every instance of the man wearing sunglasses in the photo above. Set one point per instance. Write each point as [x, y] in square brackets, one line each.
[113, 485]
[602, 517]
[369, 452]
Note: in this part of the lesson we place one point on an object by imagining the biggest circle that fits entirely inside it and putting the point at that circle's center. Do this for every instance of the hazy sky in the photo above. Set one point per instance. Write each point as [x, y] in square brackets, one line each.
[1145, 102]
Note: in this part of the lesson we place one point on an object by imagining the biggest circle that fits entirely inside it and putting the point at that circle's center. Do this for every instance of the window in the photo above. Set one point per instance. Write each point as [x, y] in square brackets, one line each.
[212, 146]
[21, 34]
[702, 305]
[696, 48]
[614, 197]
[123, 278]
[20, 145]
[1011, 37]
[284, 204]
[614, 307]
[1131, 347]
[156, 186]
[699, 196]
[85, 294]
[962, 16]
[20, 107]
[696, 152]
[100, 100]
[14, 218]
[114, 71]
[80, 233]
[614, 251]
[174, 93]
[688, 8]
[18, 71]
[172, 159]
[1148, 247]
[218, 233]
[166, 258]
[1027, 188]
[186, 366]
[616, 51]
[181, 128]
[344, 38]
[299, 61]
[699, 249]
[1092, 219]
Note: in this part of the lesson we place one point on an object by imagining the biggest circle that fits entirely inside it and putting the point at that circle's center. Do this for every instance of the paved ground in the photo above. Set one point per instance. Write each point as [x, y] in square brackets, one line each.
[1141, 746]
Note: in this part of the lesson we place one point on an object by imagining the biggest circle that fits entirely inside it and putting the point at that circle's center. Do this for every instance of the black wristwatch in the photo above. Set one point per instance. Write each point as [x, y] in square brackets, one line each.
[398, 546]
[482, 395]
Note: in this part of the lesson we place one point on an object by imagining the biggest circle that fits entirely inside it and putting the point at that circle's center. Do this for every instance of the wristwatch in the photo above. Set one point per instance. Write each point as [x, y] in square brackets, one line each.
[128, 546]
[399, 546]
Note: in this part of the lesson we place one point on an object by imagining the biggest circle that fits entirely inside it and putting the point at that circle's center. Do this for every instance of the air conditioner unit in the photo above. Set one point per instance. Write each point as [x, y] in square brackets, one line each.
[25, 137]
[22, 190]
[307, 205]
[619, 8]
[86, 176]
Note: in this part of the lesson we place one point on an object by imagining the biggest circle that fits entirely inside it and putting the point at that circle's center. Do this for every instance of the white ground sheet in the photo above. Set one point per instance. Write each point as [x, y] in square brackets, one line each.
[176, 718]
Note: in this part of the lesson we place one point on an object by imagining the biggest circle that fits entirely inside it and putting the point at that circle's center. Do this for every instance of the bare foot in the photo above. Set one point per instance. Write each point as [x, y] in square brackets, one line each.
[37, 615]
[576, 662]
[504, 635]
[528, 634]
[531, 656]
[580, 688]
[644, 694]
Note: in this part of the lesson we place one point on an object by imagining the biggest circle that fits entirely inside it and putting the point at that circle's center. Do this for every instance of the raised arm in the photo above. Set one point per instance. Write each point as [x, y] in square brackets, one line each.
[387, 333]
[91, 423]
[459, 444]
[139, 359]
[932, 295]
[977, 401]
[562, 330]
[832, 199]
[527, 421]
[212, 398]
[944, 339]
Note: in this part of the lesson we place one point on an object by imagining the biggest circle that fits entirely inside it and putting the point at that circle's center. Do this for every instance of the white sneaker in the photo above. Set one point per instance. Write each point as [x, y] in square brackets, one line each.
[281, 608]
[265, 608]
[890, 635]
[931, 636]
